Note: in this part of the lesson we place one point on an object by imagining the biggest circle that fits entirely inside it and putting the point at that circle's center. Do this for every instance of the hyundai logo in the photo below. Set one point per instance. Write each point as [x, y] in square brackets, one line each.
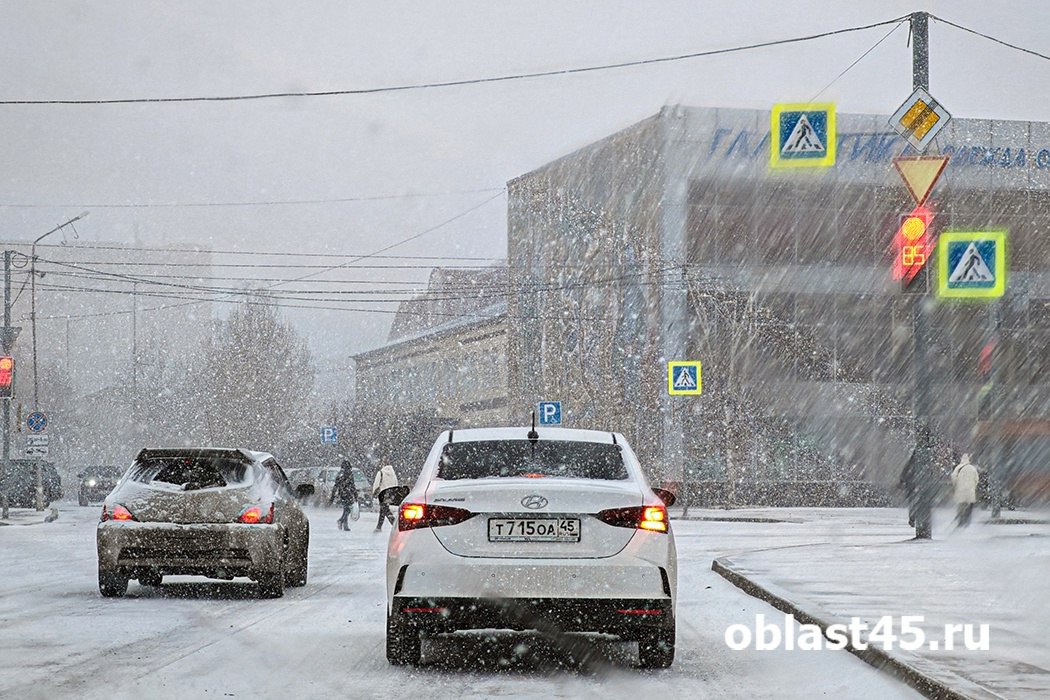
[534, 502]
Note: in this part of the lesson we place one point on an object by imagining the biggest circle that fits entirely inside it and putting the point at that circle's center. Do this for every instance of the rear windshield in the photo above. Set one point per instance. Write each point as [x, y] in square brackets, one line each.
[191, 473]
[494, 458]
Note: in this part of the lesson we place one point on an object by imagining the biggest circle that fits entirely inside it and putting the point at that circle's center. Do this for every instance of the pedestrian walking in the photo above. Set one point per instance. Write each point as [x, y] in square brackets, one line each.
[964, 485]
[920, 487]
[345, 490]
[385, 479]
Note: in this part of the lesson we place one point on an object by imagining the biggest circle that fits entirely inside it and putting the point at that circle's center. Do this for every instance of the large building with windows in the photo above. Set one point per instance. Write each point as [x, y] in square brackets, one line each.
[674, 240]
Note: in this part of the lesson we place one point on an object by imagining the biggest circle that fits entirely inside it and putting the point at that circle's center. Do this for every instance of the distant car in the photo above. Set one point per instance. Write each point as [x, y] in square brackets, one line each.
[298, 476]
[97, 482]
[212, 512]
[325, 482]
[19, 481]
[549, 529]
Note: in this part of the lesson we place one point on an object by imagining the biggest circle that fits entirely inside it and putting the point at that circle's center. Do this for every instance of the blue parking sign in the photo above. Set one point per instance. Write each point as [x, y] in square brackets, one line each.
[550, 412]
[329, 435]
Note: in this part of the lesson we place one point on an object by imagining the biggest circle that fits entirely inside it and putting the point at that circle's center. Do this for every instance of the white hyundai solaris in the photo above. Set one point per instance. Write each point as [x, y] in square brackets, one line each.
[532, 529]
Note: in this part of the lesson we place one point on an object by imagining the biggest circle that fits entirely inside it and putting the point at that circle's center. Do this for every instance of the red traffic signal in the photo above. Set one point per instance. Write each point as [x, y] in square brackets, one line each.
[913, 244]
[7, 375]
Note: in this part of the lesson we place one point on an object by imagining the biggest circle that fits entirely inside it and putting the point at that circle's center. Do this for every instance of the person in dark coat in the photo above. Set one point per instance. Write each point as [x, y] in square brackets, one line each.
[346, 490]
[920, 488]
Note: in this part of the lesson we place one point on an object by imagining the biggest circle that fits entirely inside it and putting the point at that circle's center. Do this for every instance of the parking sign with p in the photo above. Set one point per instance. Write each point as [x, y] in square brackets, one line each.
[550, 412]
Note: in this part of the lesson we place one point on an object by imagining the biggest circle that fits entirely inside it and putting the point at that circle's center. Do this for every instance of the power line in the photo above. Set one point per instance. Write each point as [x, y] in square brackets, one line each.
[208, 251]
[991, 38]
[455, 83]
[259, 203]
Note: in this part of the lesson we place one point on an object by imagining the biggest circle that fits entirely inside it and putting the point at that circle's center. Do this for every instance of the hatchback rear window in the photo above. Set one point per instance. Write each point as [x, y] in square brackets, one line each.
[191, 473]
[517, 458]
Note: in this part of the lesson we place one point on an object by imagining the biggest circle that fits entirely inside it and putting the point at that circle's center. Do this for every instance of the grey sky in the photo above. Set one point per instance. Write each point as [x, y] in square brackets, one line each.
[464, 142]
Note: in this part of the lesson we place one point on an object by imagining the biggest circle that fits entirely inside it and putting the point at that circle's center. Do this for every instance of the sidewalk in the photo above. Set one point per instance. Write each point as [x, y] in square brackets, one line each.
[29, 516]
[833, 565]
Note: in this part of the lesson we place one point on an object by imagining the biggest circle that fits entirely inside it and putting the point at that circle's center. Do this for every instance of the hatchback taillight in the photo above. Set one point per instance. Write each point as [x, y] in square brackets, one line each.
[413, 515]
[652, 518]
[256, 515]
[116, 512]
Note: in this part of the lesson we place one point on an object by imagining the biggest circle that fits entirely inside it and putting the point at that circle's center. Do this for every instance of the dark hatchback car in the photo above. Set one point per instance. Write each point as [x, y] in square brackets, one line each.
[19, 482]
[213, 512]
[97, 482]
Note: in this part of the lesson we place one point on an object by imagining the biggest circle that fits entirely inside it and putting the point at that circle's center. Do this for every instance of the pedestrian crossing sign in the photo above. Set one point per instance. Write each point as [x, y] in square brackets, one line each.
[802, 135]
[971, 265]
[683, 378]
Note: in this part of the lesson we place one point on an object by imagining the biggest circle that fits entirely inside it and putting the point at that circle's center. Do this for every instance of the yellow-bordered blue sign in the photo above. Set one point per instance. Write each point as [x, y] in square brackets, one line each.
[802, 135]
[683, 378]
[971, 264]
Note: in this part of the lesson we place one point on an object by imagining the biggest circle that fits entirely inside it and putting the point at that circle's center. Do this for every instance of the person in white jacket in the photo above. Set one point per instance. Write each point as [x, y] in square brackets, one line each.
[964, 484]
[385, 479]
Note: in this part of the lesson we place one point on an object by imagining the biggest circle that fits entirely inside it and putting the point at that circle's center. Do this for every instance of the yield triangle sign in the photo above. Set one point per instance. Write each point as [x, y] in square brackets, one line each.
[920, 173]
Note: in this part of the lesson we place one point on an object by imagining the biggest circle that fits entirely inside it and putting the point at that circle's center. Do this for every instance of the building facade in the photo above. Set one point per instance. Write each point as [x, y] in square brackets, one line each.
[444, 366]
[674, 240]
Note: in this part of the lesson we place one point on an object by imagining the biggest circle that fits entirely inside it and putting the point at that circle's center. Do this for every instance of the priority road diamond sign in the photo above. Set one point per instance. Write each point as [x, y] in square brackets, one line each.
[971, 265]
[802, 135]
[919, 119]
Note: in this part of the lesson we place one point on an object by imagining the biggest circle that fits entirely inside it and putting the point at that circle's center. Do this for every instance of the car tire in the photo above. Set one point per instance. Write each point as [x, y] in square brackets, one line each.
[112, 584]
[403, 643]
[271, 583]
[656, 649]
[152, 579]
[296, 576]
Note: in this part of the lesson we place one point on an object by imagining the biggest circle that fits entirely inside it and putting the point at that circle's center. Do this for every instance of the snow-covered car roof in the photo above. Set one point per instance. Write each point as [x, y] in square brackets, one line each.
[522, 433]
[162, 452]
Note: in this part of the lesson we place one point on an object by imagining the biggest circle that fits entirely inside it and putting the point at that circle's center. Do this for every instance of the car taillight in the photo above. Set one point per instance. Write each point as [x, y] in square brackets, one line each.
[413, 515]
[117, 512]
[652, 518]
[256, 515]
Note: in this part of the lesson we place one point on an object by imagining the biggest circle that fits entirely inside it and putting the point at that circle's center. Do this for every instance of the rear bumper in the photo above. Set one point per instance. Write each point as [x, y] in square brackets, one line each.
[215, 550]
[628, 618]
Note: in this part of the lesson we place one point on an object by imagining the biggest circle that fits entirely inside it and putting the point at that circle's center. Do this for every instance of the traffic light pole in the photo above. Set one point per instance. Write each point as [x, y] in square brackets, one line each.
[924, 492]
[6, 338]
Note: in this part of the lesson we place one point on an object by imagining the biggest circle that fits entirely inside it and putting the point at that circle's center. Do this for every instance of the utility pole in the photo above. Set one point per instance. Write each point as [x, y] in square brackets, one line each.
[7, 341]
[924, 486]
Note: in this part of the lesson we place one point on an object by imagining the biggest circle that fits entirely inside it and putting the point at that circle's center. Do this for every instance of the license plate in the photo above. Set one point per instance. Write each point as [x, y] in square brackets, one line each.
[534, 529]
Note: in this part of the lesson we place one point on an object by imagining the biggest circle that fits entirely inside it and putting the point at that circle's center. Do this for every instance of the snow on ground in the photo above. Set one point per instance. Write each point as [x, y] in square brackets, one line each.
[864, 563]
[198, 639]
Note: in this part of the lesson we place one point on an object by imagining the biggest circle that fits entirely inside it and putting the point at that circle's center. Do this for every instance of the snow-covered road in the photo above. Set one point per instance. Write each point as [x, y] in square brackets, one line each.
[195, 639]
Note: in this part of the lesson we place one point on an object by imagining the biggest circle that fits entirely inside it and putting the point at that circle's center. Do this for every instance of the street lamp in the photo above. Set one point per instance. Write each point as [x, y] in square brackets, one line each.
[32, 312]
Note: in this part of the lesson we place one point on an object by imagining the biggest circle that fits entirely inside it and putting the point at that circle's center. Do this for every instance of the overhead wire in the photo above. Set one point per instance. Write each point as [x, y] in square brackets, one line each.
[457, 83]
[255, 203]
[990, 38]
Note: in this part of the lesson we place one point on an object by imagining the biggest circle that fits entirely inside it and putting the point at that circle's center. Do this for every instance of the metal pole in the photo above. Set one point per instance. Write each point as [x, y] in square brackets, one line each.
[926, 491]
[6, 342]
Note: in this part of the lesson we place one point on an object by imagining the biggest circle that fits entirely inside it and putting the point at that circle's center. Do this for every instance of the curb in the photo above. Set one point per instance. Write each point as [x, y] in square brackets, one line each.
[880, 659]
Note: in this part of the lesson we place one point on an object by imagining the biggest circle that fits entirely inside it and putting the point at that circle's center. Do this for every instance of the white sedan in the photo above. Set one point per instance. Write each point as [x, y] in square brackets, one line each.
[532, 529]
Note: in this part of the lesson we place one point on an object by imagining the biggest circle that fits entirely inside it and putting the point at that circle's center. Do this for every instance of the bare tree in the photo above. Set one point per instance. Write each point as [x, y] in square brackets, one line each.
[257, 378]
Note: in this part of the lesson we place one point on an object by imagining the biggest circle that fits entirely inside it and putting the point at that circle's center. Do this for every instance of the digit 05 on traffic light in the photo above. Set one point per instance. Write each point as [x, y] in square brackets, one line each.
[913, 246]
[7, 376]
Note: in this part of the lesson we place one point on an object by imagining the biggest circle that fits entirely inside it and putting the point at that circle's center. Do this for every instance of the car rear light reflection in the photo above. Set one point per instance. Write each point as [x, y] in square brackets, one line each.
[414, 515]
[117, 512]
[256, 515]
[652, 518]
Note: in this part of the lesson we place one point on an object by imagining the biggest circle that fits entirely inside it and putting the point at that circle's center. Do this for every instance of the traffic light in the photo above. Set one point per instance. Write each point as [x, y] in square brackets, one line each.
[7, 376]
[913, 246]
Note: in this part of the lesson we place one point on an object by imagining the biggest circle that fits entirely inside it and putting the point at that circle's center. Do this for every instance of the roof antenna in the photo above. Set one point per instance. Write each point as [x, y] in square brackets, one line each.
[533, 435]
[450, 434]
[614, 438]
